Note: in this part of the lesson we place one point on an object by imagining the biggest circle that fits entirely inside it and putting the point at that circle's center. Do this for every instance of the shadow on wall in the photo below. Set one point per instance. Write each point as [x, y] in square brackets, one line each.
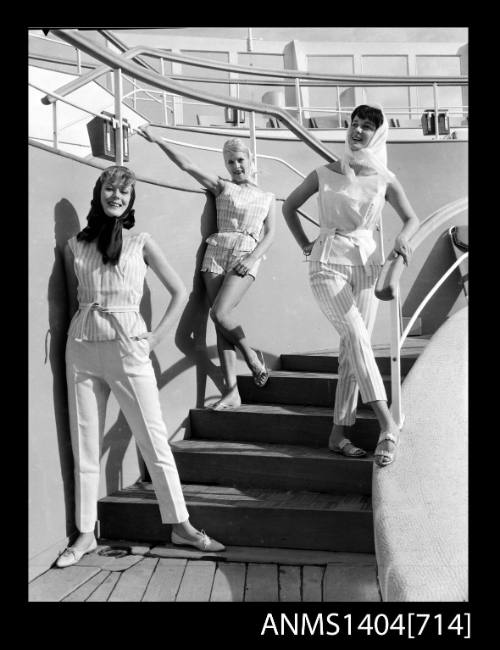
[443, 302]
[191, 332]
[66, 224]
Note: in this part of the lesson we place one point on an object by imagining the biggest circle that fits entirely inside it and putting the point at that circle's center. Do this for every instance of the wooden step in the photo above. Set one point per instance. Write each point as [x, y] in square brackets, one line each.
[283, 467]
[329, 362]
[295, 387]
[247, 517]
[280, 423]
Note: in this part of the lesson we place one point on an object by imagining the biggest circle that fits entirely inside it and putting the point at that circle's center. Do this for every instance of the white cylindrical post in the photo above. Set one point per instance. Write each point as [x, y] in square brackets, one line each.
[436, 110]
[299, 98]
[118, 117]
[396, 407]
[253, 139]
[54, 124]
[164, 94]
[78, 61]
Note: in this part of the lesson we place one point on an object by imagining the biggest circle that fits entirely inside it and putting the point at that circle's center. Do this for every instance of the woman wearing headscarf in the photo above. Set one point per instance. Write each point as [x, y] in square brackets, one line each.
[345, 263]
[108, 350]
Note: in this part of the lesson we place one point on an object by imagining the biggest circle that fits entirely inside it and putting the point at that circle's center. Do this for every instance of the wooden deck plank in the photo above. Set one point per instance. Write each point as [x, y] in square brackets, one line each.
[56, 584]
[197, 581]
[262, 583]
[101, 594]
[82, 593]
[350, 584]
[312, 579]
[165, 581]
[134, 581]
[289, 584]
[229, 582]
[265, 555]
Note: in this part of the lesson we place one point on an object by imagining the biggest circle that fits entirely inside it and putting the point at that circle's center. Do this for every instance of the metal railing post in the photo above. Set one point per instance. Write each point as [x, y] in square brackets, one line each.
[54, 124]
[78, 61]
[436, 109]
[299, 98]
[165, 111]
[253, 139]
[338, 106]
[396, 409]
[118, 117]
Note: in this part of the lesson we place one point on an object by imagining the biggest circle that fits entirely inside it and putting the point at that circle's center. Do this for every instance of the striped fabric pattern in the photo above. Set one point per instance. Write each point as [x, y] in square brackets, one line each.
[346, 296]
[109, 285]
[241, 211]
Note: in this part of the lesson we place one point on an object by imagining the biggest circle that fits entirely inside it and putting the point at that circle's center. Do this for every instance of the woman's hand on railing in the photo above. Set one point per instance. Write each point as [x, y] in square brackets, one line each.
[307, 248]
[403, 248]
[143, 130]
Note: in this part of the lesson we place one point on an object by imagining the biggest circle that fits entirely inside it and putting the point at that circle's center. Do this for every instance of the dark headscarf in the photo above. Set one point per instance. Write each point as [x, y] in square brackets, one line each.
[108, 230]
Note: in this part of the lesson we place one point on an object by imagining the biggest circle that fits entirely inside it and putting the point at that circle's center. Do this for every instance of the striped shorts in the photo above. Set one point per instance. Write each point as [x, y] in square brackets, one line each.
[218, 259]
[345, 294]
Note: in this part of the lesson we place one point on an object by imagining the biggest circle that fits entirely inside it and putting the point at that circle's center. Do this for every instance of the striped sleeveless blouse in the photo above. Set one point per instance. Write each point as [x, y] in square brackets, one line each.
[241, 211]
[110, 286]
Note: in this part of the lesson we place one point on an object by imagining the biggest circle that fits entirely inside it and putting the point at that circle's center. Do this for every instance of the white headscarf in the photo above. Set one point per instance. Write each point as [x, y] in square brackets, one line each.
[374, 155]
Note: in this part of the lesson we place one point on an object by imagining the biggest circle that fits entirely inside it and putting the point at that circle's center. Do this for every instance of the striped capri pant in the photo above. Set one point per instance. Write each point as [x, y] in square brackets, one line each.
[346, 296]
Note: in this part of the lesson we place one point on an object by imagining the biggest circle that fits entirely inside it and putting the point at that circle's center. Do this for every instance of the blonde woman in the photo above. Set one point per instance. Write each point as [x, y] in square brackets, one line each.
[345, 263]
[245, 230]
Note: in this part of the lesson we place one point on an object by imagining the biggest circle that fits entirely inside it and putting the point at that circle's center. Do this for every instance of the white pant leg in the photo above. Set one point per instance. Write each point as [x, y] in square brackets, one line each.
[338, 290]
[132, 380]
[87, 397]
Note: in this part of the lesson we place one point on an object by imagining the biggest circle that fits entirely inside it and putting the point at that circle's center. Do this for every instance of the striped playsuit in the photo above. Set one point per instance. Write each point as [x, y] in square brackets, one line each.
[241, 211]
[102, 356]
[343, 270]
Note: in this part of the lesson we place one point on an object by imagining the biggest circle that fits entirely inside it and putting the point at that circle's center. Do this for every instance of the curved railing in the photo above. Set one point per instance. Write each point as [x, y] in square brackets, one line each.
[122, 62]
[283, 78]
[387, 288]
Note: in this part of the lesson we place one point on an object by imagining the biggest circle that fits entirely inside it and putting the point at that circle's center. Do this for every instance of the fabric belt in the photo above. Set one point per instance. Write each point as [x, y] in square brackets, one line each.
[362, 238]
[87, 307]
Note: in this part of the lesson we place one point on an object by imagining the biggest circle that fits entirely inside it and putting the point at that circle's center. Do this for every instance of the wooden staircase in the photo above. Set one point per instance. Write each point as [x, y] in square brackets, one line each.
[261, 475]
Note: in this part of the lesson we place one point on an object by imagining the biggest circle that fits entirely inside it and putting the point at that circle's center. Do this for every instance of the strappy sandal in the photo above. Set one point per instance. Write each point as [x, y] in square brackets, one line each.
[261, 376]
[384, 458]
[347, 449]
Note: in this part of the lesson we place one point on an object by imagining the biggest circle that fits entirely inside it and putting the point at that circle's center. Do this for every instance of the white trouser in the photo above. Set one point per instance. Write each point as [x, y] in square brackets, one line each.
[93, 369]
[346, 296]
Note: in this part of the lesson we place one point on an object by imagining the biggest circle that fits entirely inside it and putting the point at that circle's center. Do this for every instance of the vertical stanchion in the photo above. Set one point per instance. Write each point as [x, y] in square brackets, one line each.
[338, 107]
[299, 99]
[78, 61]
[54, 124]
[118, 117]
[253, 139]
[396, 360]
[164, 94]
[436, 109]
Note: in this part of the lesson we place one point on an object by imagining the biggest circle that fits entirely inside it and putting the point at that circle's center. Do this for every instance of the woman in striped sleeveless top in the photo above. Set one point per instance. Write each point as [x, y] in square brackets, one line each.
[245, 230]
[108, 351]
[345, 264]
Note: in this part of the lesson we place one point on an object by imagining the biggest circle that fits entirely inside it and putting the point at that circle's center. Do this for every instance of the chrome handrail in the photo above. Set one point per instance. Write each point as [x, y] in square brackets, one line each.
[387, 288]
[143, 179]
[154, 79]
[338, 80]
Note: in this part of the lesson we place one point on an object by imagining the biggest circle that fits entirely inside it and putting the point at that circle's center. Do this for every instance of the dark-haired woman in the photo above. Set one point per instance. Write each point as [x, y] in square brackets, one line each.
[345, 263]
[108, 351]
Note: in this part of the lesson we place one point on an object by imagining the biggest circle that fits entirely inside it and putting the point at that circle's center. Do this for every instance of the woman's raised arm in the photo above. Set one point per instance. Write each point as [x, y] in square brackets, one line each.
[212, 182]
